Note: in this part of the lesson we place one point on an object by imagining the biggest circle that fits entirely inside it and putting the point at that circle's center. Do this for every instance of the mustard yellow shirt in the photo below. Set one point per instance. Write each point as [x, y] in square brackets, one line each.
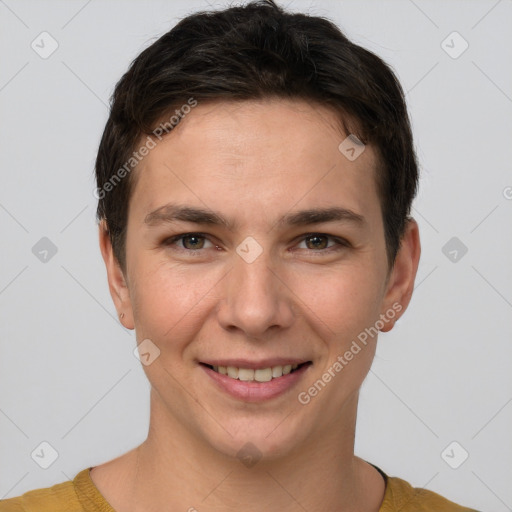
[81, 495]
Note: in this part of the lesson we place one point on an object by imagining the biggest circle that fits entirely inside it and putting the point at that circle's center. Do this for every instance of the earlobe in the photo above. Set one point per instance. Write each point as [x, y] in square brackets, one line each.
[116, 280]
[400, 284]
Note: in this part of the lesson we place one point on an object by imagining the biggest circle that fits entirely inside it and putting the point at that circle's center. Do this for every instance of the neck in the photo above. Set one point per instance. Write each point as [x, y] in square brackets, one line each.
[178, 472]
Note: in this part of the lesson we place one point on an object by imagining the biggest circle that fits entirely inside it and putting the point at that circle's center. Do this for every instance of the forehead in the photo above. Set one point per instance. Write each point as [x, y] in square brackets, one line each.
[255, 154]
[248, 131]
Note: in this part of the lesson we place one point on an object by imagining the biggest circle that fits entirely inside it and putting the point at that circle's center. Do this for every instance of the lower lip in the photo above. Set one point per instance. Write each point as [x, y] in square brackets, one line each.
[256, 391]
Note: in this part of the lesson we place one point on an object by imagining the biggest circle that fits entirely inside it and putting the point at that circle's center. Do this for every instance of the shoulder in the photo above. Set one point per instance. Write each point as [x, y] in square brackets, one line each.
[60, 497]
[400, 495]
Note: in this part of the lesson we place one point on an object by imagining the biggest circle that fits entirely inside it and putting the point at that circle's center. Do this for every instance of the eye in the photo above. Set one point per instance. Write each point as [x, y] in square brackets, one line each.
[318, 242]
[189, 241]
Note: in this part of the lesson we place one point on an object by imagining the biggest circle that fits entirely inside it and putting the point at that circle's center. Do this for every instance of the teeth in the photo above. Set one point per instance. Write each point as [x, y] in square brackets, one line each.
[245, 374]
[259, 375]
[232, 372]
[264, 375]
[277, 371]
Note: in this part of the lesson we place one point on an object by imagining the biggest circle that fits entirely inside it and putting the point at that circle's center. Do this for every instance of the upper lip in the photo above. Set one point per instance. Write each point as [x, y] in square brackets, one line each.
[263, 363]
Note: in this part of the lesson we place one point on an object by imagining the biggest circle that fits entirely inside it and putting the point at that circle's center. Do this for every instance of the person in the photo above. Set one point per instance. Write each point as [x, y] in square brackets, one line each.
[255, 180]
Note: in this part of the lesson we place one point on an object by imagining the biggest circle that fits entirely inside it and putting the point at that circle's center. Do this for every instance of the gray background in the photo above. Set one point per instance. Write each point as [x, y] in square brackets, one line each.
[67, 372]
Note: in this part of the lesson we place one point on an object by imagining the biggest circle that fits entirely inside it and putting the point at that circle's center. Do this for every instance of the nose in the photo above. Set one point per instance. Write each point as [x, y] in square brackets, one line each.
[256, 298]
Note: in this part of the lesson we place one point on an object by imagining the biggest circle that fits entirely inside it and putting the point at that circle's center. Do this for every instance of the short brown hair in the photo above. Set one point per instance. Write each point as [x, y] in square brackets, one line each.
[251, 52]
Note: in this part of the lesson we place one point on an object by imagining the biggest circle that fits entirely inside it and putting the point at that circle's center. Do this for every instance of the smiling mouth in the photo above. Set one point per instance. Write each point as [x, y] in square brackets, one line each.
[259, 374]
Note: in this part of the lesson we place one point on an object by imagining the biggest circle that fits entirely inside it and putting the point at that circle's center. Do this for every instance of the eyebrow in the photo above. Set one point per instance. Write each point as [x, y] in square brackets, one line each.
[174, 212]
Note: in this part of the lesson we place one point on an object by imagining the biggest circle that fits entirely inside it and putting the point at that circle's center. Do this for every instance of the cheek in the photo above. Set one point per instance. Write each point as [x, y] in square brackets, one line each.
[341, 302]
[168, 299]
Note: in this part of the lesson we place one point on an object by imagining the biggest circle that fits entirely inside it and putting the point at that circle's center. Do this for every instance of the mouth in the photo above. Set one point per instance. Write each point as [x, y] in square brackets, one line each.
[258, 374]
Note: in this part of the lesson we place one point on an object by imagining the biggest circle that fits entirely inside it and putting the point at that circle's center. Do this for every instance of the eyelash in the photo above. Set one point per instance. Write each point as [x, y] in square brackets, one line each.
[341, 243]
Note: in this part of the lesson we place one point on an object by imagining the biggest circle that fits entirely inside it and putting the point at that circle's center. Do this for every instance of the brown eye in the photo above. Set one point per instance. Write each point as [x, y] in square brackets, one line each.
[317, 241]
[321, 243]
[193, 241]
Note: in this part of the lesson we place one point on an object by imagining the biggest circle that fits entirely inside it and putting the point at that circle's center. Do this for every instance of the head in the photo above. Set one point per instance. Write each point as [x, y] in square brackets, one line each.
[247, 114]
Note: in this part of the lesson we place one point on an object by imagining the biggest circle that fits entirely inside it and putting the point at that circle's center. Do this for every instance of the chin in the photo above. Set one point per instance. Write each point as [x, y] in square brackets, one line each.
[262, 440]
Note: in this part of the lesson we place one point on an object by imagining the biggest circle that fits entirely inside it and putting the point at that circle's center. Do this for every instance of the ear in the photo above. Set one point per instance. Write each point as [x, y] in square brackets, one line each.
[116, 279]
[400, 284]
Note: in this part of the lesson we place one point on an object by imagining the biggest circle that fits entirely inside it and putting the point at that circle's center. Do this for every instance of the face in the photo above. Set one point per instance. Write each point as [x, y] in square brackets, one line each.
[253, 243]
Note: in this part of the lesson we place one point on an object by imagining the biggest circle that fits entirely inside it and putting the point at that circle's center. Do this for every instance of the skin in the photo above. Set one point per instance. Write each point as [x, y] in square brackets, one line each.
[253, 162]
